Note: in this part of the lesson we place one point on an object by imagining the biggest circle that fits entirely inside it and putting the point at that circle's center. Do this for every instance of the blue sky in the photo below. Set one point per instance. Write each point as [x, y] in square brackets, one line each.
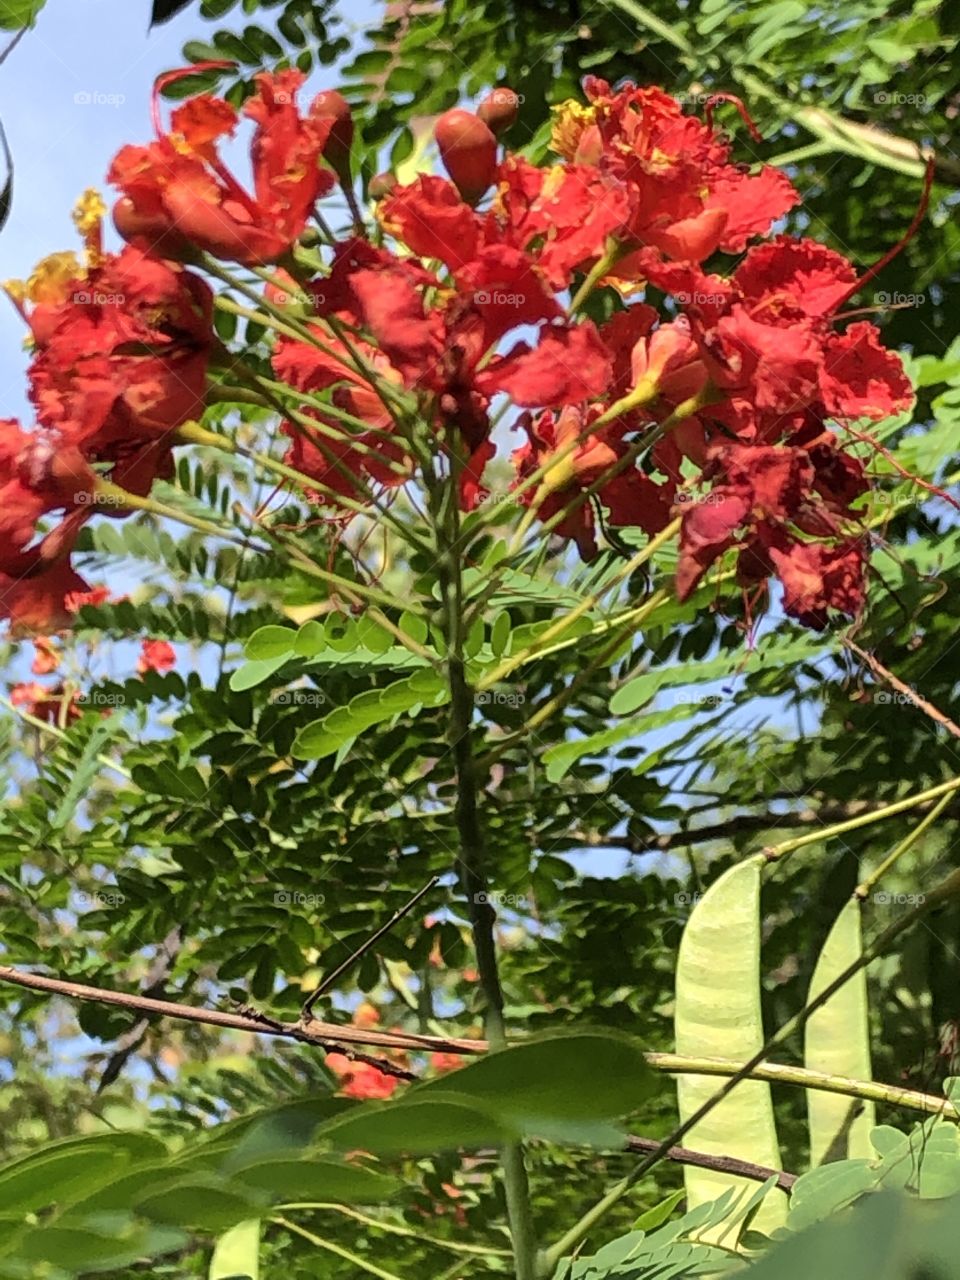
[75, 90]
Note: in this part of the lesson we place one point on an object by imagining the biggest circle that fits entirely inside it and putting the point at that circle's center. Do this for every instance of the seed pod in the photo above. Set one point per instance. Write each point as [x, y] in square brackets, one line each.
[331, 105]
[499, 109]
[469, 152]
[381, 185]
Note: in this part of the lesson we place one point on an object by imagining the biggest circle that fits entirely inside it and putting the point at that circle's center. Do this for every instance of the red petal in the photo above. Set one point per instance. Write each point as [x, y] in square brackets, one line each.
[568, 365]
[432, 220]
[752, 203]
[862, 379]
[809, 275]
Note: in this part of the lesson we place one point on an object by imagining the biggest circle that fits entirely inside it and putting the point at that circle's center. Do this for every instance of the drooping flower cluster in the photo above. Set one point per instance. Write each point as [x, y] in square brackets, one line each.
[723, 408]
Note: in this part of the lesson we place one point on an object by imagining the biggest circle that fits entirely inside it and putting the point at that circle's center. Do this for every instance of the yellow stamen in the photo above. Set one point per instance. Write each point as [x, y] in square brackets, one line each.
[88, 215]
[89, 212]
[571, 119]
[52, 277]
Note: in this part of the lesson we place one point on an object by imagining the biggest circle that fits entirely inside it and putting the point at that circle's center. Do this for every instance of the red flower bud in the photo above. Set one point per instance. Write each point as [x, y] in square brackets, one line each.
[331, 105]
[469, 152]
[157, 229]
[499, 109]
[381, 185]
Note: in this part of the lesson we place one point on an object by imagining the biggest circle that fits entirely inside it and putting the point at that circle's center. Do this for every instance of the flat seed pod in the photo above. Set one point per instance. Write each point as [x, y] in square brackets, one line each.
[718, 1016]
[237, 1253]
[837, 1041]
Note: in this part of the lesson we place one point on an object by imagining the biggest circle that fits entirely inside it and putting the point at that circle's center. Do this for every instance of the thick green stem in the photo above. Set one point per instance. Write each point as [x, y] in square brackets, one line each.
[471, 858]
[773, 852]
[891, 1095]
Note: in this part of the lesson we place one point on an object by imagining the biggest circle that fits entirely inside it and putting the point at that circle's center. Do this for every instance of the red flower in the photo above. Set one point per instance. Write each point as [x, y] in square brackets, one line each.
[34, 603]
[156, 655]
[361, 1079]
[76, 600]
[46, 657]
[444, 1062]
[337, 456]
[817, 577]
[432, 220]
[630, 497]
[769, 493]
[122, 354]
[178, 189]
[800, 274]
[45, 703]
[560, 218]
[684, 196]
[37, 475]
[861, 379]
[570, 364]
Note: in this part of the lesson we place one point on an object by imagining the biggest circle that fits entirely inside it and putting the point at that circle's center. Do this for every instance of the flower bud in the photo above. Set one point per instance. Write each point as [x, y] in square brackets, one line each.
[157, 229]
[469, 152]
[499, 109]
[381, 185]
[331, 105]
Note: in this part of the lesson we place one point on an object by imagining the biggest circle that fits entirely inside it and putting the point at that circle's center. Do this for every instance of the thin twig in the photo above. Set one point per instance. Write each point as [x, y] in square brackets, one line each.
[362, 950]
[13, 44]
[719, 1164]
[326, 1035]
[911, 695]
[353, 1258]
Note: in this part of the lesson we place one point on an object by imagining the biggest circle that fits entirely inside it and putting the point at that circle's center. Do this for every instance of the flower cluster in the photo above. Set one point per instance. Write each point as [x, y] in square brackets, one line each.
[722, 408]
[121, 344]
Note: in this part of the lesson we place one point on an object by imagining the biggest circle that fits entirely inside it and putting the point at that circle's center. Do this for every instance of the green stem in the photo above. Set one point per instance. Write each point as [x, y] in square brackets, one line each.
[802, 1078]
[585, 605]
[45, 727]
[353, 1258]
[863, 888]
[111, 494]
[602, 267]
[392, 1228]
[773, 852]
[471, 859]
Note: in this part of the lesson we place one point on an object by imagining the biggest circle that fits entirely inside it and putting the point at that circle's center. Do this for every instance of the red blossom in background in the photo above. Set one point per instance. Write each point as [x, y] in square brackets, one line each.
[361, 1079]
[50, 704]
[156, 655]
